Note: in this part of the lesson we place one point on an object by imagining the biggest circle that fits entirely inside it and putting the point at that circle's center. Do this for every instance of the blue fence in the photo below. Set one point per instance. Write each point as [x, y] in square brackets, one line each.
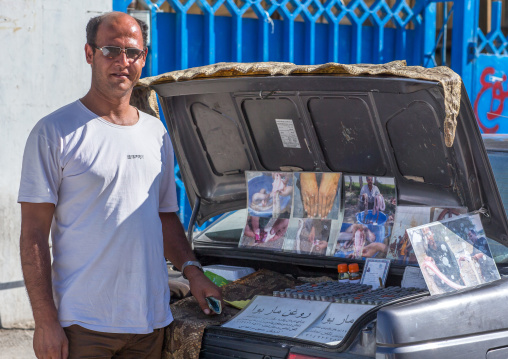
[199, 32]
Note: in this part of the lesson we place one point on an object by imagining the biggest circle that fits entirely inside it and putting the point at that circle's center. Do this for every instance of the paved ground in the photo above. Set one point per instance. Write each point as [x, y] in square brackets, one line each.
[16, 344]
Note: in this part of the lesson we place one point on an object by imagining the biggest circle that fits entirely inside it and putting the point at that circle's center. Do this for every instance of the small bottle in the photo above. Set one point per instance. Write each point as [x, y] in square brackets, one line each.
[354, 273]
[343, 273]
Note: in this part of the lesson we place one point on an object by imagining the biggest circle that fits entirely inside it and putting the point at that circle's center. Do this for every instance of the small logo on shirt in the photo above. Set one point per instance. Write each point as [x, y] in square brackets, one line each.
[133, 157]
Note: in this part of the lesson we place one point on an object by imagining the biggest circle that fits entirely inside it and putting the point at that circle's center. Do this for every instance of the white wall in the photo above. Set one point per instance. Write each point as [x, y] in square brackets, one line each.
[42, 67]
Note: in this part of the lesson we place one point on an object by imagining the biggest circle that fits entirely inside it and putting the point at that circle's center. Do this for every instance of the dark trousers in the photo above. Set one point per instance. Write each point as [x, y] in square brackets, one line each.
[85, 343]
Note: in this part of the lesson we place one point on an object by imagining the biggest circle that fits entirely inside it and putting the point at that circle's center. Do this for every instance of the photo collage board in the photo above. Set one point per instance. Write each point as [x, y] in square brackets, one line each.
[357, 217]
[293, 212]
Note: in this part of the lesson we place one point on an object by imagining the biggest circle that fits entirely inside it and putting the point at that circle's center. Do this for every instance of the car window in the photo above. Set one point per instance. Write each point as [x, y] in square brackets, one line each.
[498, 162]
[227, 228]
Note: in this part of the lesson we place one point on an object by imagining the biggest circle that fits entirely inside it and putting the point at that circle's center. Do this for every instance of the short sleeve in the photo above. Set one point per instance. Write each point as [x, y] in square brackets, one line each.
[41, 172]
[167, 195]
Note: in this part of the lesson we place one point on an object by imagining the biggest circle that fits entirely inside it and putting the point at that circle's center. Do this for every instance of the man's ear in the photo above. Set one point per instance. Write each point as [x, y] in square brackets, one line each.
[89, 53]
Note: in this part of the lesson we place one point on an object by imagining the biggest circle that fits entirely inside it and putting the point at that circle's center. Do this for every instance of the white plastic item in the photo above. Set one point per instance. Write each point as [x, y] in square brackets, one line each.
[230, 273]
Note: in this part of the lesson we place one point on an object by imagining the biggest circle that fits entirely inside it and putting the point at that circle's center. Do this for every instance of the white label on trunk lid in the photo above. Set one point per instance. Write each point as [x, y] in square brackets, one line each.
[287, 133]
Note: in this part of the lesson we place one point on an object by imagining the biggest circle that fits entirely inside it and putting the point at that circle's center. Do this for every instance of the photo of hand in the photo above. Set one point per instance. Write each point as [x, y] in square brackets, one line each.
[292, 211]
[317, 194]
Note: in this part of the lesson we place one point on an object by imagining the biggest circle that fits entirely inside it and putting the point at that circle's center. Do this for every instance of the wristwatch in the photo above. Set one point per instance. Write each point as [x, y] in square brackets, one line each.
[191, 263]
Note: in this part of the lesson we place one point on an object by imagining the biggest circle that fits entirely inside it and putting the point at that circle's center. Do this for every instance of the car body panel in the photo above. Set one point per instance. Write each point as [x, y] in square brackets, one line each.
[357, 125]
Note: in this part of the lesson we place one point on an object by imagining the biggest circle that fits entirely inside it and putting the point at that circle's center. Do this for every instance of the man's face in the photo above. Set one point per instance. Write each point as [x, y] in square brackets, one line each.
[115, 77]
[430, 237]
[369, 181]
[472, 236]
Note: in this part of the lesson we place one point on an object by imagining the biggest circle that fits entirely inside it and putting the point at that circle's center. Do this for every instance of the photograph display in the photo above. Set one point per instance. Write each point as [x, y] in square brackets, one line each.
[294, 212]
[310, 236]
[400, 250]
[317, 195]
[453, 253]
[370, 204]
[264, 232]
[269, 194]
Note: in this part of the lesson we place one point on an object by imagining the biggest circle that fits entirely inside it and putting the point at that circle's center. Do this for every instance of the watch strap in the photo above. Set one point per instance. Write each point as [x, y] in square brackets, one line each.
[191, 263]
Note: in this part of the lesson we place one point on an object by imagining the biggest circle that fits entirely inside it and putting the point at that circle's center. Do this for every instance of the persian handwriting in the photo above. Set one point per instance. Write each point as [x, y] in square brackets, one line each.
[278, 316]
[334, 324]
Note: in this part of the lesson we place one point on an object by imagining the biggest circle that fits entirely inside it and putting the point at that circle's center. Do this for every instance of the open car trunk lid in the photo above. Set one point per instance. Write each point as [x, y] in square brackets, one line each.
[225, 122]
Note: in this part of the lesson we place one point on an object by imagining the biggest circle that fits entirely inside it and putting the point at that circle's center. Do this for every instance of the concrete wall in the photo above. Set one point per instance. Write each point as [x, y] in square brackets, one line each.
[42, 68]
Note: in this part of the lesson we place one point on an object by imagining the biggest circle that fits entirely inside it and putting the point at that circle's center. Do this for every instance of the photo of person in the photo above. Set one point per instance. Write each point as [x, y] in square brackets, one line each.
[264, 233]
[370, 204]
[357, 241]
[369, 200]
[317, 195]
[453, 254]
[269, 194]
[308, 236]
[400, 249]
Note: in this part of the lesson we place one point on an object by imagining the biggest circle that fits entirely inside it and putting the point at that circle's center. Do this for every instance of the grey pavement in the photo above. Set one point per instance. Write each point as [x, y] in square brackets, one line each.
[16, 344]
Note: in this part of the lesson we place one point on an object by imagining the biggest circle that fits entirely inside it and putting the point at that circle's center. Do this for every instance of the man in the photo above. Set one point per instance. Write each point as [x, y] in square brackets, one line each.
[440, 256]
[368, 195]
[99, 173]
[480, 245]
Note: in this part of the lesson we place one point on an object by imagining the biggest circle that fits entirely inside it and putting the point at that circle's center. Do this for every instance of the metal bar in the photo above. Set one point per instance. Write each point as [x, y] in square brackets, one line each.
[465, 25]
[333, 49]
[497, 7]
[12, 285]
[192, 221]
[153, 65]
[289, 30]
[266, 25]
[237, 38]
[181, 40]
[310, 44]
[333, 30]
[121, 5]
[265, 41]
[445, 30]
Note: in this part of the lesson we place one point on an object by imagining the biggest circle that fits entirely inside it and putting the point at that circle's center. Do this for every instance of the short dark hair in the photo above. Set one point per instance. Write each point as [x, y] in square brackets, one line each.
[93, 26]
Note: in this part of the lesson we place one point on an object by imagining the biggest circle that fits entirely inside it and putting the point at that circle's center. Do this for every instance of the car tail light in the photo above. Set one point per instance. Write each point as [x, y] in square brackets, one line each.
[302, 356]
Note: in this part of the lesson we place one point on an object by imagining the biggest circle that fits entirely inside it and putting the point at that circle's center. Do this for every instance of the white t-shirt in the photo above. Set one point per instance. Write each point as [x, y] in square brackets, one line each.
[108, 183]
[370, 194]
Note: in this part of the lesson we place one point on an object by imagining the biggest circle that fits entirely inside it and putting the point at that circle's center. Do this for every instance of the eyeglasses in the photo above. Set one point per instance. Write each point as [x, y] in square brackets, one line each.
[114, 51]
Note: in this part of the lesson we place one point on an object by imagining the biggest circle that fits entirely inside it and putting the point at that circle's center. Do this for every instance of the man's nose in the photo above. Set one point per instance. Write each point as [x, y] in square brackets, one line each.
[122, 58]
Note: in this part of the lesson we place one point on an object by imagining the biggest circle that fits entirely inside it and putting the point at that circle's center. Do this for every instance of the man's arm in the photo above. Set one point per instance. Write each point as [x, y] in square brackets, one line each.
[49, 338]
[178, 250]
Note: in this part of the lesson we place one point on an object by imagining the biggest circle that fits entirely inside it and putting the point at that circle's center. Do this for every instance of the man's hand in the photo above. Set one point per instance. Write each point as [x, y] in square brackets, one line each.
[327, 192]
[202, 287]
[178, 251]
[50, 341]
[309, 191]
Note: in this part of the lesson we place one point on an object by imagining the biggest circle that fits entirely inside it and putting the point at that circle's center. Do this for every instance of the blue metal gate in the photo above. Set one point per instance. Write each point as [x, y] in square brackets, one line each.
[200, 32]
[489, 86]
